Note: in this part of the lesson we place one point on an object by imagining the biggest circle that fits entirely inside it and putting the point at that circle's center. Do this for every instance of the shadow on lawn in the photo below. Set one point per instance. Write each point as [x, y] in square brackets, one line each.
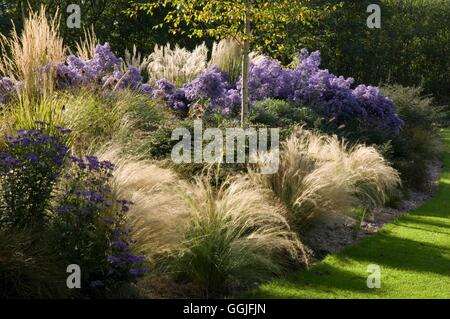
[322, 278]
[399, 253]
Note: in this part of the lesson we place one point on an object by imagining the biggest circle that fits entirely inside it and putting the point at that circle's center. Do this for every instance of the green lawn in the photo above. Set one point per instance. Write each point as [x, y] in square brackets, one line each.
[413, 253]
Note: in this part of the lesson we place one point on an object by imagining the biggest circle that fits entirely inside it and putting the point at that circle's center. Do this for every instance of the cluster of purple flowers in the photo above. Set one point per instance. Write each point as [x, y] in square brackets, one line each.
[78, 72]
[211, 89]
[30, 165]
[331, 96]
[122, 262]
[34, 146]
[88, 201]
[34, 165]
[304, 84]
[100, 70]
[175, 98]
[132, 78]
[7, 87]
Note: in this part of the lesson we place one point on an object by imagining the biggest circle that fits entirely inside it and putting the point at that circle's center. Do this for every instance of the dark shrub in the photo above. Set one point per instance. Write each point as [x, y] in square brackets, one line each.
[29, 267]
[91, 226]
[418, 144]
[30, 165]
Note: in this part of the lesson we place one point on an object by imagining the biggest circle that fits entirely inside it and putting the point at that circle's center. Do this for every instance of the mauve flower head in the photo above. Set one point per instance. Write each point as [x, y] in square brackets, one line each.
[146, 88]
[77, 72]
[114, 260]
[211, 84]
[8, 161]
[93, 163]
[7, 87]
[107, 165]
[165, 86]
[138, 272]
[93, 196]
[105, 58]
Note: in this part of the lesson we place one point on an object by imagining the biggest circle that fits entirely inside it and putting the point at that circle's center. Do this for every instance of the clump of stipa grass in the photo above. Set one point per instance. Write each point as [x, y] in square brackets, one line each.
[235, 236]
[32, 55]
[320, 175]
[157, 213]
[214, 238]
[177, 65]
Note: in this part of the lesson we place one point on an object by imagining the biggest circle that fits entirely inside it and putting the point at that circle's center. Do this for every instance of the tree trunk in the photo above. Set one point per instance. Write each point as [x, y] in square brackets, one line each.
[245, 66]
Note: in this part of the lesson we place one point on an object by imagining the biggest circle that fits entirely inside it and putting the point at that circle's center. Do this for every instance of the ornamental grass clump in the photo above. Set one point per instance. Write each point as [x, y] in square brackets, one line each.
[122, 117]
[86, 46]
[29, 267]
[227, 56]
[235, 236]
[215, 238]
[157, 213]
[31, 56]
[24, 113]
[177, 65]
[322, 175]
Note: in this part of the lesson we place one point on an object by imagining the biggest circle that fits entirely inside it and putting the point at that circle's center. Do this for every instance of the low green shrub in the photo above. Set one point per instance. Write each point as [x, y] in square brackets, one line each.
[90, 224]
[123, 117]
[284, 115]
[30, 166]
[419, 143]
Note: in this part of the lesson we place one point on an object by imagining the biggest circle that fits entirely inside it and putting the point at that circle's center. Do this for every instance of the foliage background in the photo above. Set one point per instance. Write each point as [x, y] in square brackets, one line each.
[412, 47]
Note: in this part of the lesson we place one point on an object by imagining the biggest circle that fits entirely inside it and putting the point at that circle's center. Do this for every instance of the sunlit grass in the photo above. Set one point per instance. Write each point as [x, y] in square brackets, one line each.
[413, 253]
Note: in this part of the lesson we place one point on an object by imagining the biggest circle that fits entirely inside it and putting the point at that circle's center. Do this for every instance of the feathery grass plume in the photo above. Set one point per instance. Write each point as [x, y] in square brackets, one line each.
[86, 46]
[234, 236]
[157, 213]
[135, 59]
[256, 58]
[320, 175]
[177, 65]
[31, 57]
[214, 238]
[227, 56]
